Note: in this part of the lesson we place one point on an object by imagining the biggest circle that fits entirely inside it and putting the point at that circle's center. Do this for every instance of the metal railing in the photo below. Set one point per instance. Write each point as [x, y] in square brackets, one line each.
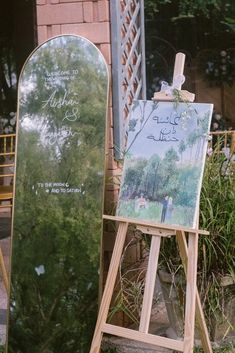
[7, 165]
[7, 155]
[226, 139]
[7, 144]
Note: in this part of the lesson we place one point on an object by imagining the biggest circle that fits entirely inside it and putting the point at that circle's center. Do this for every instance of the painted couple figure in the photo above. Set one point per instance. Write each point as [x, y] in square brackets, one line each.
[167, 208]
[140, 203]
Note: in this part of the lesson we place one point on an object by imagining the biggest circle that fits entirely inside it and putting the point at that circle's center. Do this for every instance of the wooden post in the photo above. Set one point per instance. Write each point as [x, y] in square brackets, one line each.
[150, 284]
[151, 273]
[232, 147]
[191, 287]
[204, 335]
[4, 272]
[109, 287]
[178, 70]
[179, 66]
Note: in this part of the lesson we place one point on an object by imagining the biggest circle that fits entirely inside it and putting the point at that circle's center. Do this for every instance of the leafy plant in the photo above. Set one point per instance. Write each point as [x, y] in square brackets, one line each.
[217, 215]
[227, 349]
[189, 8]
[230, 22]
[216, 251]
[130, 286]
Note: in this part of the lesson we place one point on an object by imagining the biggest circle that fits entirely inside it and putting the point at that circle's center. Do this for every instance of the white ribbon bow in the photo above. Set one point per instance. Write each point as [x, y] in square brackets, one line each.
[177, 83]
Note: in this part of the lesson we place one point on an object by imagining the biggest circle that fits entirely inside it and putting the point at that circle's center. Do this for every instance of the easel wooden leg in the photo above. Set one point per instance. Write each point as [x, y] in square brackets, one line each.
[188, 253]
[204, 335]
[191, 289]
[109, 287]
[150, 284]
[4, 272]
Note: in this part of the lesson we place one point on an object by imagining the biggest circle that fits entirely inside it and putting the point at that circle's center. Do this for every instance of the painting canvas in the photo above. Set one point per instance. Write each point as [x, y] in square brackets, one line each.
[164, 162]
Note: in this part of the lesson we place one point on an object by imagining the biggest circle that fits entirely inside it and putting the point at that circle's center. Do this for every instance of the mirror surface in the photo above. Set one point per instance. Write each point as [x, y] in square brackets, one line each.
[59, 198]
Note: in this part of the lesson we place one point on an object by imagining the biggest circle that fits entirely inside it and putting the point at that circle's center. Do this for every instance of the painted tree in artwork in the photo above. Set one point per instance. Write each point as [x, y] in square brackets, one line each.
[187, 180]
[152, 176]
[191, 141]
[182, 147]
[133, 179]
[170, 169]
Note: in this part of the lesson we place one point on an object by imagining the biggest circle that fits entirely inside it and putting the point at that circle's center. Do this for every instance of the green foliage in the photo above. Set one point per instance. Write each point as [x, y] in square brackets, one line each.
[187, 8]
[63, 235]
[230, 23]
[226, 349]
[152, 6]
[8, 87]
[130, 285]
[217, 215]
[191, 8]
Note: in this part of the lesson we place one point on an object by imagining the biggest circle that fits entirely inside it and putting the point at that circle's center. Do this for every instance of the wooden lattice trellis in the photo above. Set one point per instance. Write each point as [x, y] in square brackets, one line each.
[128, 63]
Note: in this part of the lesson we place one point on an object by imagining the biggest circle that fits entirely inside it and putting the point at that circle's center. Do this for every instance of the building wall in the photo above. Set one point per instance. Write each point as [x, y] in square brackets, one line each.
[222, 97]
[90, 19]
[86, 18]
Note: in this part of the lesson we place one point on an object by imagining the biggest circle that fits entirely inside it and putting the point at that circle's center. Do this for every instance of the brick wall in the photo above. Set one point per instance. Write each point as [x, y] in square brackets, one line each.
[90, 19]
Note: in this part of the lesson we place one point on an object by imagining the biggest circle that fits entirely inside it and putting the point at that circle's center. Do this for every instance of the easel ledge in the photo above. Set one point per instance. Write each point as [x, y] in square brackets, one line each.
[155, 225]
[184, 95]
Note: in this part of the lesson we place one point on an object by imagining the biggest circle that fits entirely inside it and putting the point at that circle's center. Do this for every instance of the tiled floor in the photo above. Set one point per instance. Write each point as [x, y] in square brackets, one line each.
[5, 222]
[3, 313]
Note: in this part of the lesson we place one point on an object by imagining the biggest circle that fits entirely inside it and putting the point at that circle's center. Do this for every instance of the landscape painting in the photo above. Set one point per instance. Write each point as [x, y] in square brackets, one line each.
[164, 162]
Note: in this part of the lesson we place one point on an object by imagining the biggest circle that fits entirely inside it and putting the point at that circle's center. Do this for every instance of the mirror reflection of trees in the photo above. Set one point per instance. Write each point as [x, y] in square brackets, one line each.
[7, 88]
[17, 40]
[58, 205]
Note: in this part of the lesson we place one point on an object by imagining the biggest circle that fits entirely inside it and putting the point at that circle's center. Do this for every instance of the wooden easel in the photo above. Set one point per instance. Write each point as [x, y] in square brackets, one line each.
[4, 272]
[188, 253]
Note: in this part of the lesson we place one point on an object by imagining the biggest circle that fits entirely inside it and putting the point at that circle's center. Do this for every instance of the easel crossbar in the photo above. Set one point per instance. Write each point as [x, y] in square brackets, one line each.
[155, 225]
[143, 337]
[188, 253]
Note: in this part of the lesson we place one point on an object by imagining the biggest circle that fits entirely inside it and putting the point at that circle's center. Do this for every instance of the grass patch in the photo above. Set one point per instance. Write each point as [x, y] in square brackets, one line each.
[227, 349]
